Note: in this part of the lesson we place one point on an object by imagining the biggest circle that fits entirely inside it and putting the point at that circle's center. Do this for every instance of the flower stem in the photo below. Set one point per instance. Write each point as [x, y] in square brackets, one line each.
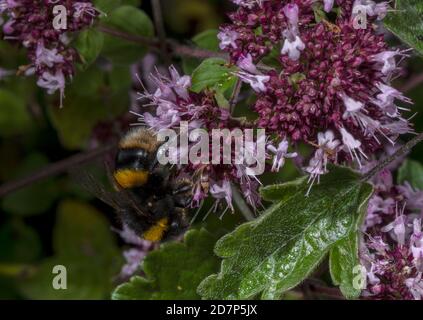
[158, 21]
[242, 205]
[235, 94]
[388, 160]
[55, 169]
[154, 44]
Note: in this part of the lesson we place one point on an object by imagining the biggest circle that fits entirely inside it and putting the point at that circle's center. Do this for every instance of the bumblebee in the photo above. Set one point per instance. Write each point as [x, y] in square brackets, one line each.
[146, 199]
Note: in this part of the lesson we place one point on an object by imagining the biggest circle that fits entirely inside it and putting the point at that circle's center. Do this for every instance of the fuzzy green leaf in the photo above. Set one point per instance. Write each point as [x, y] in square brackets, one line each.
[213, 74]
[205, 40]
[406, 22]
[174, 271]
[89, 44]
[343, 259]
[284, 245]
[132, 21]
[412, 172]
[107, 6]
[33, 199]
[19, 243]
[93, 97]
[85, 245]
[14, 116]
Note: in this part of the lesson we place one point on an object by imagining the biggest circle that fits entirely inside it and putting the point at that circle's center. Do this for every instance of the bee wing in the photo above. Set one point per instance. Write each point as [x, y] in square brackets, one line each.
[90, 184]
[118, 200]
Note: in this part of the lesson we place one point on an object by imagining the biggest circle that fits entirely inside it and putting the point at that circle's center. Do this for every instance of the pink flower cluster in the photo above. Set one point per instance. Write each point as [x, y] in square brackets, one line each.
[392, 246]
[30, 23]
[174, 102]
[319, 78]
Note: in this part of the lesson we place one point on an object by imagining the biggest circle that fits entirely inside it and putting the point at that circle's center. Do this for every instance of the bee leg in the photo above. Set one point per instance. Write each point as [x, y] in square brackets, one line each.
[161, 208]
[160, 177]
[182, 192]
[180, 223]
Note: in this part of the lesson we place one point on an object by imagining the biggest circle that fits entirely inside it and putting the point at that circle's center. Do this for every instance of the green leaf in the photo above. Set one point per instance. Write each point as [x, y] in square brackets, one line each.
[406, 22]
[132, 21]
[319, 13]
[205, 40]
[14, 116]
[92, 98]
[285, 244]
[107, 6]
[19, 243]
[89, 44]
[85, 245]
[36, 198]
[343, 259]
[174, 271]
[412, 172]
[213, 74]
[8, 290]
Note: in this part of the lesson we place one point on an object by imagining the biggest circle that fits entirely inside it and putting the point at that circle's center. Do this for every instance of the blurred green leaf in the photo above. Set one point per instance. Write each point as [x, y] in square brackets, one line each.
[188, 16]
[19, 243]
[132, 21]
[406, 22]
[36, 198]
[284, 245]
[89, 44]
[85, 245]
[14, 116]
[205, 40]
[8, 289]
[213, 74]
[93, 97]
[81, 231]
[11, 55]
[174, 271]
[107, 6]
[81, 111]
[412, 172]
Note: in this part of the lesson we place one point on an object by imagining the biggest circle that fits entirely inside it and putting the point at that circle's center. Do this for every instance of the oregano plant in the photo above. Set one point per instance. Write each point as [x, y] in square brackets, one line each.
[272, 154]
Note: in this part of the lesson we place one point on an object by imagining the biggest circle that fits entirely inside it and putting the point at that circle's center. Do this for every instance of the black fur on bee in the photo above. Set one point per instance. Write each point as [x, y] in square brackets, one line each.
[148, 198]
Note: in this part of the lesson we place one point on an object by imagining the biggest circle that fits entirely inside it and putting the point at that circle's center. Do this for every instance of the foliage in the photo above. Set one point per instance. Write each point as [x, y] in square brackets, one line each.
[85, 245]
[406, 22]
[205, 40]
[286, 243]
[192, 261]
[53, 222]
[213, 74]
[412, 172]
[34, 199]
[133, 21]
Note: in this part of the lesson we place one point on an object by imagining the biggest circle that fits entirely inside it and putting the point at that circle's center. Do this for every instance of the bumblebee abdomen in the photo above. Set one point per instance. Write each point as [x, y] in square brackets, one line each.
[130, 178]
[148, 228]
[157, 231]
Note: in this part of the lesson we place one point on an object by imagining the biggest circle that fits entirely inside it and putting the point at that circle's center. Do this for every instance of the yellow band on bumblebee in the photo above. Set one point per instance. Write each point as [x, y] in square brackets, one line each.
[156, 232]
[130, 178]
